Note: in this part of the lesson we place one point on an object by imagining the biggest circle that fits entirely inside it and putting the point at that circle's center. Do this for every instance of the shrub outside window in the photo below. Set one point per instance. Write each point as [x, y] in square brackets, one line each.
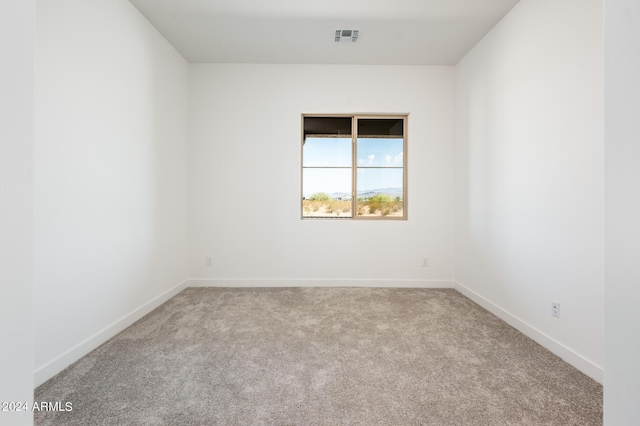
[354, 167]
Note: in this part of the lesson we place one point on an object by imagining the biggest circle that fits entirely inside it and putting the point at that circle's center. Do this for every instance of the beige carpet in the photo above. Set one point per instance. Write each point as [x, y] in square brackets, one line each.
[321, 356]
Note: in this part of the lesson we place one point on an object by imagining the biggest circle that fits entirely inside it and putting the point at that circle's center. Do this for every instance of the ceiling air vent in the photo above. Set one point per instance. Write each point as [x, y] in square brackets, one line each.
[346, 36]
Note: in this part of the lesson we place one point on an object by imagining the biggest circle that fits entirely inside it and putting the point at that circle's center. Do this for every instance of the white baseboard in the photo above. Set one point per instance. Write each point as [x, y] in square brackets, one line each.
[50, 369]
[288, 282]
[568, 355]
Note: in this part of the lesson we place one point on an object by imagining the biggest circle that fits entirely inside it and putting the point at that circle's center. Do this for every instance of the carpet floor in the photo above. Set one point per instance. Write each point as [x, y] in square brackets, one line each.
[321, 356]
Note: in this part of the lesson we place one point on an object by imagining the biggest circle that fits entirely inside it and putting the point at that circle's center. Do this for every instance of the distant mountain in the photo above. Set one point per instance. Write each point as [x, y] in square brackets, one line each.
[368, 193]
[393, 192]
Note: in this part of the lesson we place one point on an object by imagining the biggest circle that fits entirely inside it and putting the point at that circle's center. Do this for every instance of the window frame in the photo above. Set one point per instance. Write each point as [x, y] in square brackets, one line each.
[354, 165]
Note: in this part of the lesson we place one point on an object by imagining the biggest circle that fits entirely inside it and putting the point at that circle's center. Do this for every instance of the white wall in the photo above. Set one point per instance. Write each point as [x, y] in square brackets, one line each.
[529, 219]
[110, 175]
[245, 177]
[622, 210]
[17, 40]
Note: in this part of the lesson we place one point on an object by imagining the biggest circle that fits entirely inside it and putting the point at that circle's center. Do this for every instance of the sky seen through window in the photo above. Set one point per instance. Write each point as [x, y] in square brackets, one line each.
[379, 161]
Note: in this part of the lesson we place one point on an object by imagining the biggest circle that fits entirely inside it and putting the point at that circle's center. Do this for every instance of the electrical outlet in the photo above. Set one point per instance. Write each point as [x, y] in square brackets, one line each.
[555, 309]
[208, 261]
[425, 262]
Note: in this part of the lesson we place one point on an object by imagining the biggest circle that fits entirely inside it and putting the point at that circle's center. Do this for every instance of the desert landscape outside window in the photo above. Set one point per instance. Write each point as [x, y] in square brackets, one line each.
[354, 167]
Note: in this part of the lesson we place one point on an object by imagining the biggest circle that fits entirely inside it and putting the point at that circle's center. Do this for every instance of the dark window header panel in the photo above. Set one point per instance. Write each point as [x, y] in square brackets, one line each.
[327, 126]
[393, 127]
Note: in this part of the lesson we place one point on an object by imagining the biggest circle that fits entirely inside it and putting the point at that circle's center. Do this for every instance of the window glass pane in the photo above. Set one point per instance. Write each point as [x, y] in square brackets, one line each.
[380, 152]
[327, 152]
[326, 192]
[334, 182]
[380, 192]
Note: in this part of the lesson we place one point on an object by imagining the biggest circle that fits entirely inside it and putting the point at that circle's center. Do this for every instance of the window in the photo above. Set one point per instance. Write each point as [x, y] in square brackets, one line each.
[353, 167]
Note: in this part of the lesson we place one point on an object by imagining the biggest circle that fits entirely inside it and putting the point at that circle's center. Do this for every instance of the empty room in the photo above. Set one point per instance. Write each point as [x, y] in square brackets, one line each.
[337, 212]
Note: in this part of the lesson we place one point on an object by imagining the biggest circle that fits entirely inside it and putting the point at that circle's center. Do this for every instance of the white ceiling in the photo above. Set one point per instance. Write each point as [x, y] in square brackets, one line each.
[403, 32]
